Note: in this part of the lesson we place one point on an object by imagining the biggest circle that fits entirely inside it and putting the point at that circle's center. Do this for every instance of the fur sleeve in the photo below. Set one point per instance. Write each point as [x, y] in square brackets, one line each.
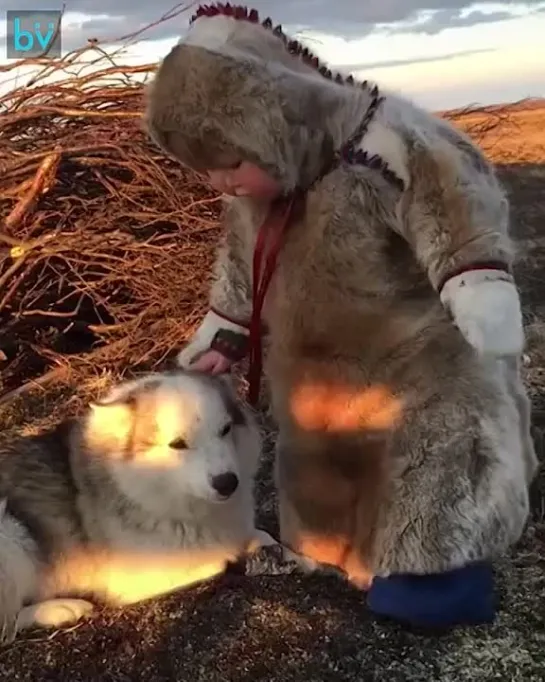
[454, 213]
[230, 298]
[455, 216]
[231, 290]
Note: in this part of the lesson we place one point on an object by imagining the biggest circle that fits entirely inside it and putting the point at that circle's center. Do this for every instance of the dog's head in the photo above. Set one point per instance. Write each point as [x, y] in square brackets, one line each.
[179, 435]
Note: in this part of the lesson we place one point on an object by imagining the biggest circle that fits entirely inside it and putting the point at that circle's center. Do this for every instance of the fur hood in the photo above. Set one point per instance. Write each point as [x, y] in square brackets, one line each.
[237, 89]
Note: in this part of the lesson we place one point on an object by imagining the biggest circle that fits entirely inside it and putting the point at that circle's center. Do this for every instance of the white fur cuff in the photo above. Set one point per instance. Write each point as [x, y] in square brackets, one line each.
[211, 324]
[486, 308]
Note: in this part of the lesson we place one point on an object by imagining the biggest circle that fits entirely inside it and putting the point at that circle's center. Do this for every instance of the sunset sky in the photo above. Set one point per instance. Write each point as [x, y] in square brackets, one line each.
[443, 53]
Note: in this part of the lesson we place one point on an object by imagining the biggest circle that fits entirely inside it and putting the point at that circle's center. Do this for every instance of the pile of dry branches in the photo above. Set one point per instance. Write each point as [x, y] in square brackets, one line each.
[105, 244]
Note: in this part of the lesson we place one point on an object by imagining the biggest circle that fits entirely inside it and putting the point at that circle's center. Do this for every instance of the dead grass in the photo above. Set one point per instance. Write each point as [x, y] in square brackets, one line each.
[508, 134]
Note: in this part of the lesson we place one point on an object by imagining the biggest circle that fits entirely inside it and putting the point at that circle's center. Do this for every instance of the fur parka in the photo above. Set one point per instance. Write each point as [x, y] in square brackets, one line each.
[394, 322]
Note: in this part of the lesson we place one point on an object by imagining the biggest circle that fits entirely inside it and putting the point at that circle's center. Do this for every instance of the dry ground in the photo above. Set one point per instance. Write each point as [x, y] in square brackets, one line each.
[509, 135]
[285, 627]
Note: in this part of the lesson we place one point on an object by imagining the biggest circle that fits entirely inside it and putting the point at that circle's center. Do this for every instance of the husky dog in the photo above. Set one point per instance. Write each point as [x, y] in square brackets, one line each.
[149, 491]
[394, 321]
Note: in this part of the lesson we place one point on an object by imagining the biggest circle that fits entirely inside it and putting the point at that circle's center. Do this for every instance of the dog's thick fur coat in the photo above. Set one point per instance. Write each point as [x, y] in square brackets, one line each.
[134, 499]
[402, 447]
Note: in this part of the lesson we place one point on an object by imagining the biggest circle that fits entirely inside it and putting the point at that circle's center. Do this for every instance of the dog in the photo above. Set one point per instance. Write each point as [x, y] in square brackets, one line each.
[151, 490]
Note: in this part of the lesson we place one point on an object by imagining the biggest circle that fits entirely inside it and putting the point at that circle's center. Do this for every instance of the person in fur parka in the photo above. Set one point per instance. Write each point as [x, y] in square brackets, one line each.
[394, 330]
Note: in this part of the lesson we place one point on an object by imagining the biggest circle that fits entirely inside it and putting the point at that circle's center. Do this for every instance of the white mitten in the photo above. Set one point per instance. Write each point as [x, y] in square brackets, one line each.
[205, 334]
[485, 305]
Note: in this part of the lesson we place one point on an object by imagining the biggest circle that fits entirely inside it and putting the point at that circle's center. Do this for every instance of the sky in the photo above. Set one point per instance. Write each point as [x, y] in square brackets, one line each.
[441, 53]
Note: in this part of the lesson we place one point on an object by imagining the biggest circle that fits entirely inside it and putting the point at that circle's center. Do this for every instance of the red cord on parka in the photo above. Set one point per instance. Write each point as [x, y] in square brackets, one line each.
[271, 231]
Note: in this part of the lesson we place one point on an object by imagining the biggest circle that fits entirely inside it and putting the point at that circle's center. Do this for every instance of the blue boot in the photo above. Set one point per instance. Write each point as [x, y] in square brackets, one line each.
[463, 596]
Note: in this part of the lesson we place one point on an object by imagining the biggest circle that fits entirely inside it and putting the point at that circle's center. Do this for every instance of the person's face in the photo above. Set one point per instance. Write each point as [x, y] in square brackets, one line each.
[246, 179]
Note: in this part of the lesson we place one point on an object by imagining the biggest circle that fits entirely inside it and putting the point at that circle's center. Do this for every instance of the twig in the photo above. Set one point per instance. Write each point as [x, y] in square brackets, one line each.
[42, 183]
[54, 374]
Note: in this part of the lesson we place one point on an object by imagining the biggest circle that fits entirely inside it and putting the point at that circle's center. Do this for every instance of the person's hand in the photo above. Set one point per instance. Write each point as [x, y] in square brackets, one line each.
[200, 353]
[211, 362]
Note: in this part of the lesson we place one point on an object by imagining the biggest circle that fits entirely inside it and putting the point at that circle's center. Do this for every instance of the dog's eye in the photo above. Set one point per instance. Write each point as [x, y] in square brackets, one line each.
[178, 444]
[226, 430]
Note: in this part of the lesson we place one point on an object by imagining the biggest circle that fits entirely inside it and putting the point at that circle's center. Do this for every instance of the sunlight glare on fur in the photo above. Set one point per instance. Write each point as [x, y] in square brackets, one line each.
[127, 577]
[336, 551]
[339, 408]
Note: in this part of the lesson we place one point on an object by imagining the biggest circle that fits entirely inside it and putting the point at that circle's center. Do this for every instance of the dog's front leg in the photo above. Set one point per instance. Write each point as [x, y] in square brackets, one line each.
[263, 539]
[125, 577]
[126, 584]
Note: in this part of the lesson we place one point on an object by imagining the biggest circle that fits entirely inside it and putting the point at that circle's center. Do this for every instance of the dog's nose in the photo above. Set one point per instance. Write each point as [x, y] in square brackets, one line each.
[225, 484]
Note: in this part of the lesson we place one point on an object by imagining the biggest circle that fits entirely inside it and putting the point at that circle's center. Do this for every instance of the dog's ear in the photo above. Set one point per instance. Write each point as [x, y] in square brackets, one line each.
[127, 392]
[113, 420]
[122, 393]
[110, 423]
[231, 400]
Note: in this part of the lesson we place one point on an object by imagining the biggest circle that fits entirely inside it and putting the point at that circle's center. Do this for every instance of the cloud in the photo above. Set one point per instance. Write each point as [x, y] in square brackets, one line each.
[437, 21]
[451, 18]
[361, 66]
[107, 20]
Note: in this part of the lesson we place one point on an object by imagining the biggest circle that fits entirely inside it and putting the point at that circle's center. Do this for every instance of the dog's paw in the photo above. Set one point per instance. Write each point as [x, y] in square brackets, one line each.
[268, 560]
[53, 613]
[267, 556]
[303, 563]
[307, 565]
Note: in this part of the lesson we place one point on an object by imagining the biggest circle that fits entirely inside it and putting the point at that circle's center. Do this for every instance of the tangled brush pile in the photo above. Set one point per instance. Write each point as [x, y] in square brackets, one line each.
[105, 244]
